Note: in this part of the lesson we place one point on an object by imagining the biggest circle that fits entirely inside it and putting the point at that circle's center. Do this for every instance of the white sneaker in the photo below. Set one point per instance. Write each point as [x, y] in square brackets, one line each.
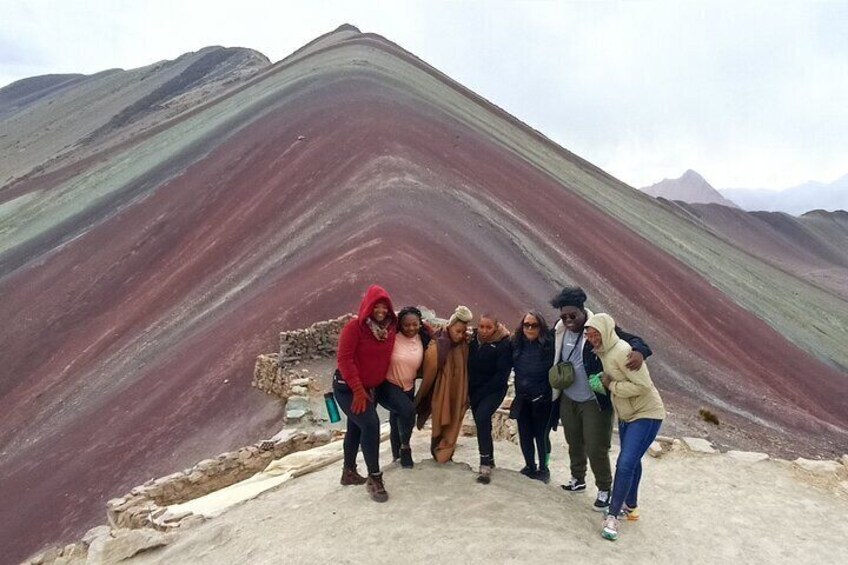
[610, 528]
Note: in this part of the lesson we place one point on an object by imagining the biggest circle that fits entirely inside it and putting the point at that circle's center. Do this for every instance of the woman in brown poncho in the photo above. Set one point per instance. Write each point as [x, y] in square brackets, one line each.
[444, 388]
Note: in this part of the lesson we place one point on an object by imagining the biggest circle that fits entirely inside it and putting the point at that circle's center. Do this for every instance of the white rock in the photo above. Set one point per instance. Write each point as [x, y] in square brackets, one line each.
[747, 456]
[296, 414]
[698, 445]
[303, 381]
[655, 449]
[845, 460]
[844, 486]
[321, 435]
[174, 516]
[825, 468]
[96, 532]
[299, 390]
[125, 544]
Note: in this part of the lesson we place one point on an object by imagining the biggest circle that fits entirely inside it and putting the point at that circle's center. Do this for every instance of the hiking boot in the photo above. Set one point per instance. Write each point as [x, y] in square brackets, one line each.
[610, 528]
[485, 475]
[351, 477]
[529, 471]
[406, 458]
[574, 485]
[543, 475]
[375, 487]
[602, 502]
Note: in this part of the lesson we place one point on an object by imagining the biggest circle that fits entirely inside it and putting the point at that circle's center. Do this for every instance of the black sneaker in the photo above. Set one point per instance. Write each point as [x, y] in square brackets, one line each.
[529, 471]
[574, 485]
[543, 475]
[602, 502]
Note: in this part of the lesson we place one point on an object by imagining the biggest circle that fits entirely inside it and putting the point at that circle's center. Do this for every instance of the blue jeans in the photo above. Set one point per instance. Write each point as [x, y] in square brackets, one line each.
[635, 438]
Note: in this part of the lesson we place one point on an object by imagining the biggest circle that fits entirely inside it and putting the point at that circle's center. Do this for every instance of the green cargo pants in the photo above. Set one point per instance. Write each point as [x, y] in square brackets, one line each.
[588, 432]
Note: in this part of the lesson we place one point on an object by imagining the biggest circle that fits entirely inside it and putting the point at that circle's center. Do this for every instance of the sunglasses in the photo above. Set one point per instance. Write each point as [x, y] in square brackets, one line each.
[529, 326]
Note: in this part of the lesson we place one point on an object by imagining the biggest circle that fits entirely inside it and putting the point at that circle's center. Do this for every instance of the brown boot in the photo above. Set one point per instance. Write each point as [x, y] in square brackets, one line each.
[376, 489]
[351, 477]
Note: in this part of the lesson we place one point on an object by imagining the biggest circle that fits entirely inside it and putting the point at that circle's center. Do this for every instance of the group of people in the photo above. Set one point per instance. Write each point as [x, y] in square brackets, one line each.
[582, 373]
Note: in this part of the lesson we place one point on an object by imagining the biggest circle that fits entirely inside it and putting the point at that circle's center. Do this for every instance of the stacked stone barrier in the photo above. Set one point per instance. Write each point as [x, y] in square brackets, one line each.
[141, 506]
[271, 373]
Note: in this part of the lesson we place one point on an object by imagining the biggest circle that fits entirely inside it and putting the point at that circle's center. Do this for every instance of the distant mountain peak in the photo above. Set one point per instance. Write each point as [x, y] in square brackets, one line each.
[691, 187]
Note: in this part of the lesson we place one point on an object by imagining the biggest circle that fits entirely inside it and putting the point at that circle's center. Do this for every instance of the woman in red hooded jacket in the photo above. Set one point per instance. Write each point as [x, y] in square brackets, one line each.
[365, 350]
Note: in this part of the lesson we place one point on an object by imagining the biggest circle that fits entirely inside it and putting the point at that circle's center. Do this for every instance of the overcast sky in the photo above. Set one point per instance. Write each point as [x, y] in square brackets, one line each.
[751, 95]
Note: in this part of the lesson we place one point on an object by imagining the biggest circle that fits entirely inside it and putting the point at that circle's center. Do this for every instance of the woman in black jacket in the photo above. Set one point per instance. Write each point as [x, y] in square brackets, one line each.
[532, 357]
[489, 364]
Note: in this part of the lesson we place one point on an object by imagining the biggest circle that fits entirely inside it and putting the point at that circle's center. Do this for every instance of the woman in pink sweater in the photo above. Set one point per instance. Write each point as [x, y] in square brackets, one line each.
[407, 356]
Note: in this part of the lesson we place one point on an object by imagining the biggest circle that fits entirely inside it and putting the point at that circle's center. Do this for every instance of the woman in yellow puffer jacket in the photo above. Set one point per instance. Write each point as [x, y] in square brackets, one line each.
[640, 413]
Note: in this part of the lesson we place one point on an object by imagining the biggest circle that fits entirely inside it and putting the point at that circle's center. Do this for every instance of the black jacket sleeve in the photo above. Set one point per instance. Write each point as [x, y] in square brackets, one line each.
[635, 342]
[503, 364]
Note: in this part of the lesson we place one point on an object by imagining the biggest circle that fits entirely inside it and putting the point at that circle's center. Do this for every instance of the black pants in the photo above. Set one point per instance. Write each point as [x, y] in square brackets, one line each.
[363, 430]
[401, 429]
[483, 409]
[533, 429]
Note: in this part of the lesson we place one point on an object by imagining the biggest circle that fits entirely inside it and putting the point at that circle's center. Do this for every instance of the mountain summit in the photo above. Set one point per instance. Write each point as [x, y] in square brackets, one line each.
[690, 187]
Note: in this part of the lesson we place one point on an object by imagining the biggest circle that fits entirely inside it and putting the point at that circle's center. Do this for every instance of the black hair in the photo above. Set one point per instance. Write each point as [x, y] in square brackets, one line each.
[424, 330]
[518, 339]
[569, 296]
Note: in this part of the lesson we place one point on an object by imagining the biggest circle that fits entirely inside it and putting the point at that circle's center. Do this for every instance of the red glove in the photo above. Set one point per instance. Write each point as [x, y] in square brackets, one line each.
[360, 399]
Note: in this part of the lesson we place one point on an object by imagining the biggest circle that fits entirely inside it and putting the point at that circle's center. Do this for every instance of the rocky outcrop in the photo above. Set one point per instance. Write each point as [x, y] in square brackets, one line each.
[145, 505]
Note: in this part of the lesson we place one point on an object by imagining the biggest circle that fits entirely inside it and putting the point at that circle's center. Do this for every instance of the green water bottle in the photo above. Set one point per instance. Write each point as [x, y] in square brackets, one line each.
[332, 407]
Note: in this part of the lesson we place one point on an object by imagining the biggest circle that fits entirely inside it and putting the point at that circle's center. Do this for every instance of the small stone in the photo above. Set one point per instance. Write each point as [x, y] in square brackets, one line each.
[299, 390]
[698, 445]
[823, 468]
[173, 516]
[295, 414]
[321, 436]
[47, 556]
[301, 382]
[844, 459]
[748, 456]
[125, 544]
[94, 533]
[655, 449]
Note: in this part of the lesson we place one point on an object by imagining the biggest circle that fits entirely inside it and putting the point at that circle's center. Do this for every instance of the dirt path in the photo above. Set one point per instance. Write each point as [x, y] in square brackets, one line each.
[695, 509]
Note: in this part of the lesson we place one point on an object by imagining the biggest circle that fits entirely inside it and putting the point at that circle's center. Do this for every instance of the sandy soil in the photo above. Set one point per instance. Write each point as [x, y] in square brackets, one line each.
[695, 509]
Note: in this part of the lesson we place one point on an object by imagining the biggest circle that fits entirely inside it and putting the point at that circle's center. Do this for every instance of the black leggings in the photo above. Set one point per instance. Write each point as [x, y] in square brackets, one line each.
[533, 429]
[401, 429]
[483, 409]
[363, 430]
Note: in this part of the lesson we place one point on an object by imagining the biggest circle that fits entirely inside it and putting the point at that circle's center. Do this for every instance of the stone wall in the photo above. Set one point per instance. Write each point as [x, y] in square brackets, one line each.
[144, 505]
[272, 373]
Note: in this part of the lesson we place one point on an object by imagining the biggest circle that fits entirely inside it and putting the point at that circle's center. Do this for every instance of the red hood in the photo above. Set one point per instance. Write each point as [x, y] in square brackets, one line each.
[373, 295]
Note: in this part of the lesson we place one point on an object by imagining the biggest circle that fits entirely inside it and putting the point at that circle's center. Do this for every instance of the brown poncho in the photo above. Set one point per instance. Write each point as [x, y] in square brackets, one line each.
[443, 393]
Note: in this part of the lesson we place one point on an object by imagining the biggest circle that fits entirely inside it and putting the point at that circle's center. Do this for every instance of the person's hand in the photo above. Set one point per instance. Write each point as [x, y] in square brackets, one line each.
[360, 400]
[634, 360]
[606, 380]
[596, 385]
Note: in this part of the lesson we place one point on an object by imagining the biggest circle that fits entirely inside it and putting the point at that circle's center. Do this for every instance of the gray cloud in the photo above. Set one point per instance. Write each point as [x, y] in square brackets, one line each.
[747, 94]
